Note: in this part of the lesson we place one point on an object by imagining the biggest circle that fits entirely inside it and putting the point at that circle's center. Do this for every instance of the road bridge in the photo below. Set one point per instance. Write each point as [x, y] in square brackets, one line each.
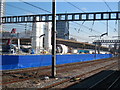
[69, 43]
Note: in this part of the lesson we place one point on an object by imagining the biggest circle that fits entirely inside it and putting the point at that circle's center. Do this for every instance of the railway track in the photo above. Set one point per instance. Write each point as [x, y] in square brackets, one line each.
[115, 84]
[45, 71]
[108, 82]
[68, 82]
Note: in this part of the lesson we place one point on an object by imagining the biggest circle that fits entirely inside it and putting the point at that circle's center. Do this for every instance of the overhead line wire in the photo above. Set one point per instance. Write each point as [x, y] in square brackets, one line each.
[87, 27]
[111, 11]
[35, 6]
[28, 11]
[82, 31]
[46, 10]
[74, 6]
[82, 11]
[107, 5]
[19, 8]
[78, 9]
[79, 37]
[41, 8]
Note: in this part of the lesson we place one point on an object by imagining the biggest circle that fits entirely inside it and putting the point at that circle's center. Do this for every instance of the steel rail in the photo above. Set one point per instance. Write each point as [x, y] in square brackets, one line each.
[102, 80]
[81, 75]
[110, 87]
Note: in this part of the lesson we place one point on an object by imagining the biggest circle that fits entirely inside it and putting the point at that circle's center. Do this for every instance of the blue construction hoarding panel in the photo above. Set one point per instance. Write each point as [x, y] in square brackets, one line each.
[8, 59]
[0, 59]
[26, 61]
[10, 62]
[0, 62]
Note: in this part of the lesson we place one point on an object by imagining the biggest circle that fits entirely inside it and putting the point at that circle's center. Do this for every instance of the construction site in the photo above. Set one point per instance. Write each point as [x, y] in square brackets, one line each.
[59, 44]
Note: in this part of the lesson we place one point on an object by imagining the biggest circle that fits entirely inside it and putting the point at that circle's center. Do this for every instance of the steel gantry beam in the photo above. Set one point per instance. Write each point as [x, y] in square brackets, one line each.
[62, 17]
[107, 41]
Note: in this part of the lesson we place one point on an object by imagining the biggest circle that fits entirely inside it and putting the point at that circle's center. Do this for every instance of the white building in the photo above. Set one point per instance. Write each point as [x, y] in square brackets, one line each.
[48, 36]
[41, 35]
[37, 41]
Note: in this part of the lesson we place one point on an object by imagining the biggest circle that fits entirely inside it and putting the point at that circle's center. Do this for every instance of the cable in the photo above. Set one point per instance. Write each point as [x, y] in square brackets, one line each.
[78, 9]
[115, 30]
[92, 26]
[109, 25]
[19, 8]
[83, 11]
[74, 6]
[48, 11]
[107, 5]
[80, 37]
[22, 24]
[81, 26]
[35, 6]
[87, 27]
[111, 11]
[29, 11]
[9, 14]
[81, 31]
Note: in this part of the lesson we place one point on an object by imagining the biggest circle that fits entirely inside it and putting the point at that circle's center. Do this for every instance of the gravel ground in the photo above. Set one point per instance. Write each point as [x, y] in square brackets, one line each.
[38, 83]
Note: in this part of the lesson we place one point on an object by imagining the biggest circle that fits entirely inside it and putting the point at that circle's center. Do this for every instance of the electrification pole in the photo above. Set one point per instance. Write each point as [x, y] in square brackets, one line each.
[119, 21]
[2, 12]
[107, 26]
[53, 38]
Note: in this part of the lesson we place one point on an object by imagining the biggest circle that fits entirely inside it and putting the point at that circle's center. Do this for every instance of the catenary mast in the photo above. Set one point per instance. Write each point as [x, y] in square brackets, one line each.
[119, 22]
[2, 12]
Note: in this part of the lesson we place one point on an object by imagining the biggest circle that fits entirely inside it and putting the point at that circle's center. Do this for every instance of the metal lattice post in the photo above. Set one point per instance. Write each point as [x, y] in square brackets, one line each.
[2, 12]
[119, 21]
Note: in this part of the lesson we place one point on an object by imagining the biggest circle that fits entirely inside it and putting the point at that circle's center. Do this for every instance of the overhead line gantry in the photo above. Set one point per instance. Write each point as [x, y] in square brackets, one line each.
[92, 16]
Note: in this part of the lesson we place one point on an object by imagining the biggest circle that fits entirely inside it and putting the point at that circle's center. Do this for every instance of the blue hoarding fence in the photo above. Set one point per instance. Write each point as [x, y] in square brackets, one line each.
[10, 62]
